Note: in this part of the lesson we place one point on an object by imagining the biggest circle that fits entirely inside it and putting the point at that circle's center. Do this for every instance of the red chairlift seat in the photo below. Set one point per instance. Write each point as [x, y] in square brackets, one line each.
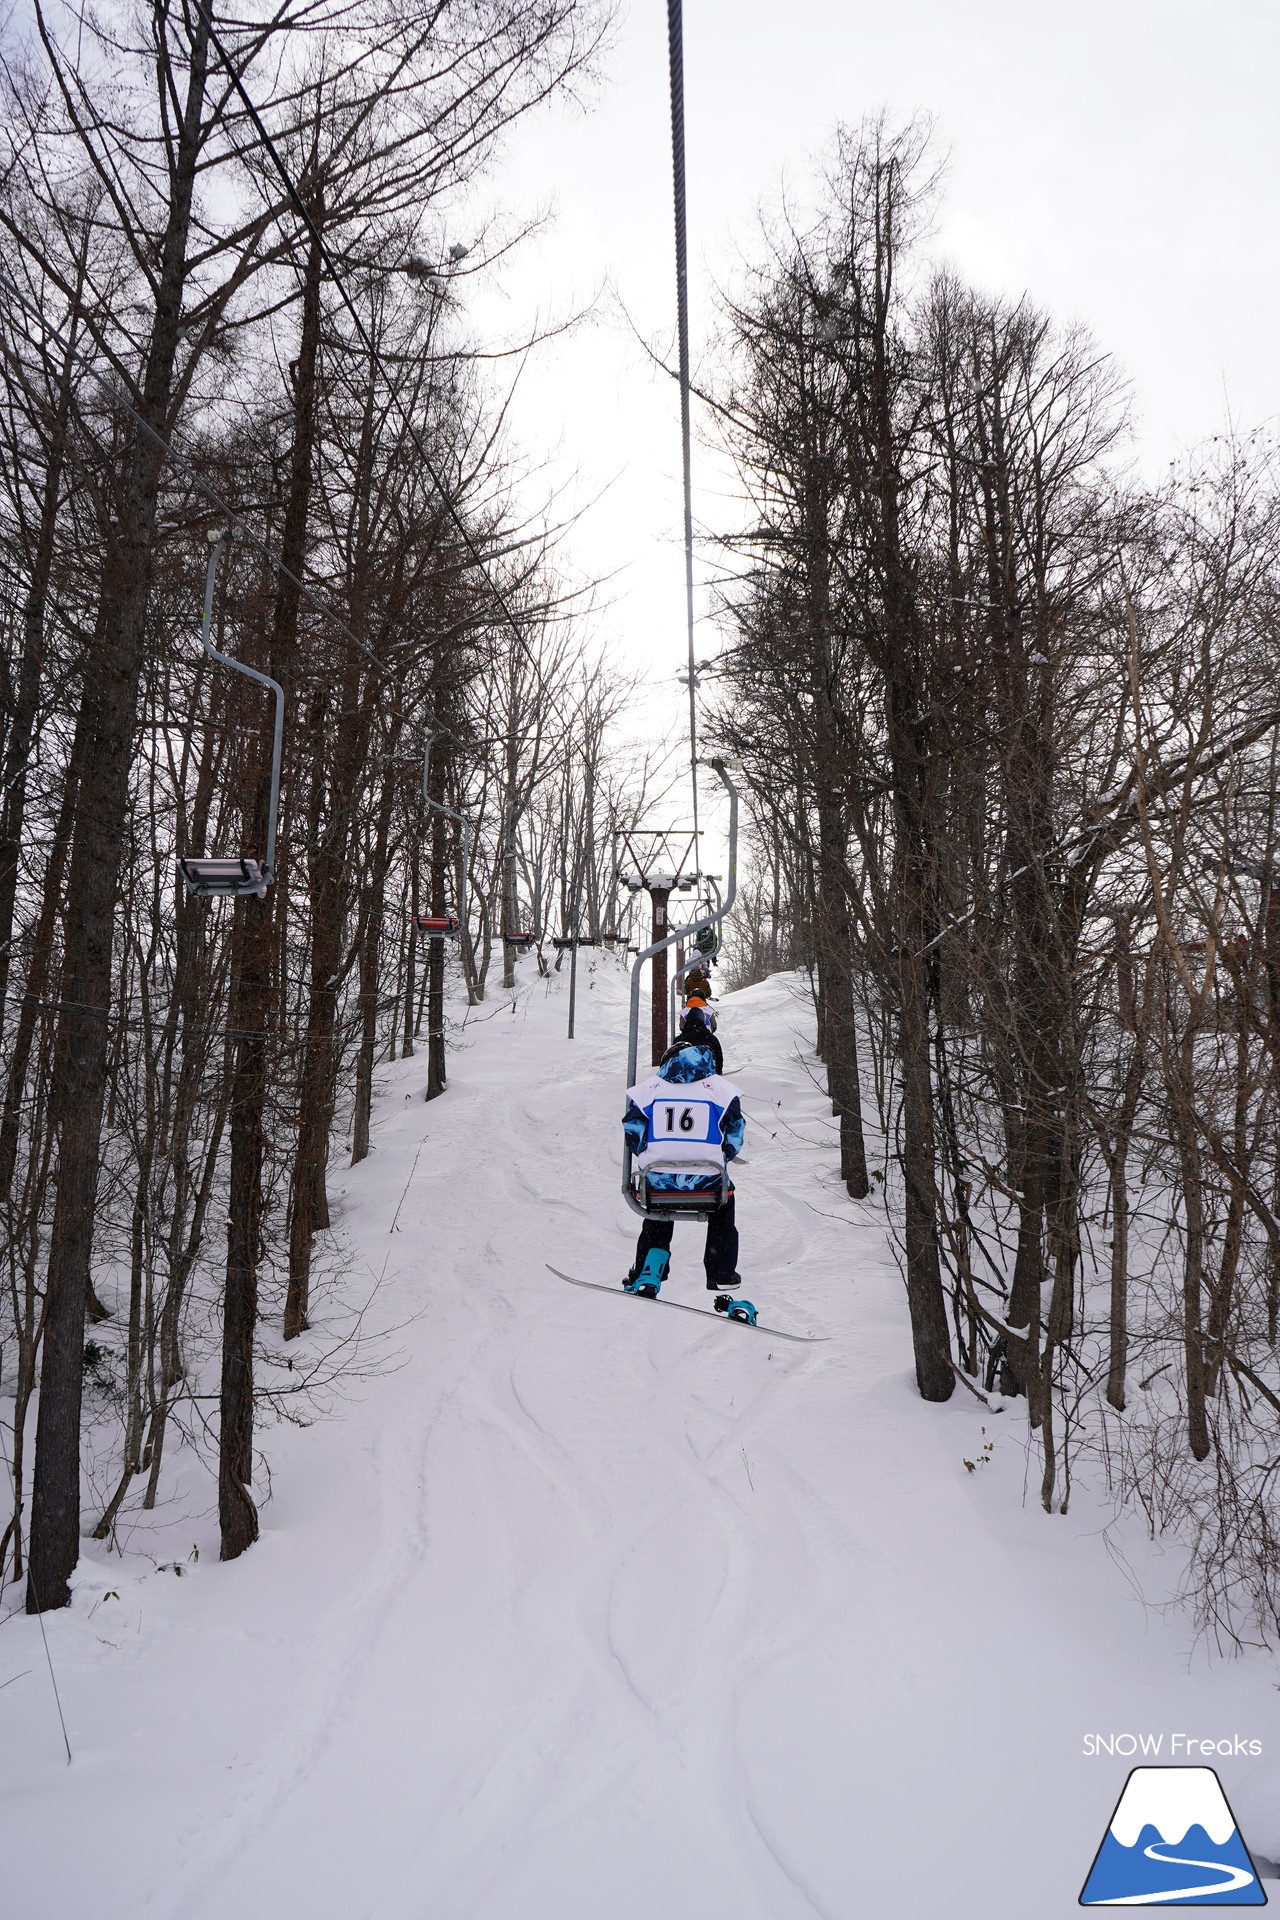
[220, 879]
[520, 941]
[576, 940]
[438, 926]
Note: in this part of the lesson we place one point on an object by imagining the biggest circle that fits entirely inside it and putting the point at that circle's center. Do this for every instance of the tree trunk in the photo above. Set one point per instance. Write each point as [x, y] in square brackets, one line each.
[436, 1077]
[930, 1335]
[103, 756]
[1193, 1257]
[36, 987]
[1118, 1332]
[1118, 1175]
[840, 1031]
[20, 733]
[411, 957]
[370, 965]
[255, 939]
[308, 1200]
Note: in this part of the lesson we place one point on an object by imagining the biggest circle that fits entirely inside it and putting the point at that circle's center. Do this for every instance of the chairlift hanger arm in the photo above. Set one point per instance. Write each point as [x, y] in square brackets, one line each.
[264, 680]
[238, 876]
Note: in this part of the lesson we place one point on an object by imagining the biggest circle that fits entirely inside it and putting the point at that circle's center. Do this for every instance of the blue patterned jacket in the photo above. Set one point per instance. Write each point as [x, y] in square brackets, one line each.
[686, 1113]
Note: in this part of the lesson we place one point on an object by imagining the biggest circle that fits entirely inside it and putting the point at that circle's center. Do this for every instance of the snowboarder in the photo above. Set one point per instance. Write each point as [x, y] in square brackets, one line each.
[697, 984]
[686, 1112]
[696, 1030]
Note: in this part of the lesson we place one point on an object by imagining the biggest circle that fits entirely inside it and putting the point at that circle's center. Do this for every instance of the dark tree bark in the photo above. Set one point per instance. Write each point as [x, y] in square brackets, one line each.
[834, 937]
[253, 983]
[901, 647]
[436, 1075]
[259, 934]
[308, 1210]
[103, 756]
[19, 733]
[372, 920]
[411, 953]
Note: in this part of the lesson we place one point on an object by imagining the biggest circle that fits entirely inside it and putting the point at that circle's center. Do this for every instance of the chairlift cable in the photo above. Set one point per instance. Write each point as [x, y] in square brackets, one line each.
[393, 387]
[675, 49]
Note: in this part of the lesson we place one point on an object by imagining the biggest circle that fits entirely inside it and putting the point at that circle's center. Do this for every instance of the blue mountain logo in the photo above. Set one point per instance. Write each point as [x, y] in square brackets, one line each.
[1172, 1842]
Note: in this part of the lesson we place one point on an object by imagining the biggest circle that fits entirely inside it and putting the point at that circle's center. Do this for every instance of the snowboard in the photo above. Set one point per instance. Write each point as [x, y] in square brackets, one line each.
[704, 1313]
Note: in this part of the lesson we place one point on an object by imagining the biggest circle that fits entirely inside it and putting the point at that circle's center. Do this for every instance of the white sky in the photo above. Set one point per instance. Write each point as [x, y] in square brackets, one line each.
[1114, 159]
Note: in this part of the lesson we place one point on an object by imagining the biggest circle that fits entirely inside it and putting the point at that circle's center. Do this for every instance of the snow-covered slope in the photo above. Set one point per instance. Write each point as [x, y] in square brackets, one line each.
[585, 1609]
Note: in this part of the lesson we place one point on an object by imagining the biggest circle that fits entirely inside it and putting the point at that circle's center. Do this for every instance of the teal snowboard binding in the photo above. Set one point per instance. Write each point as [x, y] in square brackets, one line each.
[736, 1309]
[651, 1275]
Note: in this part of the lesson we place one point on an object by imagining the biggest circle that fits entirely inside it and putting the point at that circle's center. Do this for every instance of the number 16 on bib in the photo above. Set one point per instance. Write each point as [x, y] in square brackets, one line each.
[683, 1120]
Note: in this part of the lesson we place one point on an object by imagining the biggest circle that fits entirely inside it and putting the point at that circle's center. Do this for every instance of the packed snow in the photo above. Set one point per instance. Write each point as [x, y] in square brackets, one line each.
[568, 1606]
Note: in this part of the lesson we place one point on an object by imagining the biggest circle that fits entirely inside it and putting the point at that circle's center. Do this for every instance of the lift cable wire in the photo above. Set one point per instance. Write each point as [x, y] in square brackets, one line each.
[675, 44]
[393, 386]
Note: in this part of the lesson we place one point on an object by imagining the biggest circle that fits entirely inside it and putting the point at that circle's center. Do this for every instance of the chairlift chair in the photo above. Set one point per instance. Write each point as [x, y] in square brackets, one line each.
[220, 879]
[575, 940]
[438, 926]
[661, 1204]
[237, 877]
[520, 941]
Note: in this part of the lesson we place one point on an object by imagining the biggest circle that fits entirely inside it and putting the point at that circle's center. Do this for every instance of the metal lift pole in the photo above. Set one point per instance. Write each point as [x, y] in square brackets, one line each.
[659, 896]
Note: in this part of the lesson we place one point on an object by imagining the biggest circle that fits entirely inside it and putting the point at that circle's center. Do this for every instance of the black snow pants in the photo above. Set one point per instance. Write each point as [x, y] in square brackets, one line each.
[720, 1255]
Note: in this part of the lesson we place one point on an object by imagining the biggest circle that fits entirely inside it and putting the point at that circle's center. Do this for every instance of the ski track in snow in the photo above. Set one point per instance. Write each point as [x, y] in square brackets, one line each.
[589, 1612]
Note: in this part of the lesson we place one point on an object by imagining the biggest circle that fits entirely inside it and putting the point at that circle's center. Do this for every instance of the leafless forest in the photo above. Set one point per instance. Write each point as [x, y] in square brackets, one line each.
[1006, 719]
[186, 356]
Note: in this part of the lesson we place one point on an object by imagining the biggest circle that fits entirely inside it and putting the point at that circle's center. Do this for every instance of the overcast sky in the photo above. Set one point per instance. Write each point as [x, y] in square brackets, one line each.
[1114, 159]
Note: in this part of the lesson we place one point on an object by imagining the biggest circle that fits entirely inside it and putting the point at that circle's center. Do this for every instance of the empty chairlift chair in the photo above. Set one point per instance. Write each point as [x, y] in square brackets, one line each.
[237, 876]
[438, 926]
